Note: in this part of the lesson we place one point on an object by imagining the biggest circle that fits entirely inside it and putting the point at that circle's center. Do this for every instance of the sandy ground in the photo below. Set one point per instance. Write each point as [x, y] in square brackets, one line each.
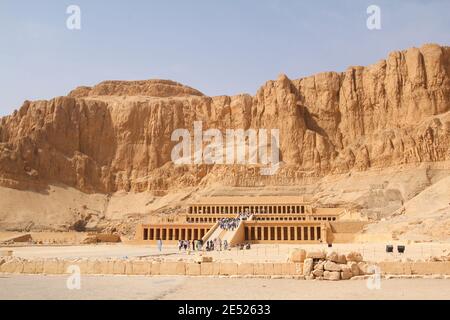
[259, 253]
[171, 288]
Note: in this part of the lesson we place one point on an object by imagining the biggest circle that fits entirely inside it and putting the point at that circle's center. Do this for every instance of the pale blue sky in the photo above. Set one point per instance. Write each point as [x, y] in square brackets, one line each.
[218, 47]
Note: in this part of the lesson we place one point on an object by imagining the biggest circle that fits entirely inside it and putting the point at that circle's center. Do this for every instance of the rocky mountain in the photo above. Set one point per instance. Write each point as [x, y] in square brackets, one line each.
[116, 136]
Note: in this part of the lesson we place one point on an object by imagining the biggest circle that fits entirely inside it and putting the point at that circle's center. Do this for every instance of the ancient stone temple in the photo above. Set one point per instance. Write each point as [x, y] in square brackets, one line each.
[264, 219]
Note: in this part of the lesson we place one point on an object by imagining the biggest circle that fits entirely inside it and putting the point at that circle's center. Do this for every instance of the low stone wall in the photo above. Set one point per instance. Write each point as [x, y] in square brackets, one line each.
[147, 267]
[415, 268]
[11, 265]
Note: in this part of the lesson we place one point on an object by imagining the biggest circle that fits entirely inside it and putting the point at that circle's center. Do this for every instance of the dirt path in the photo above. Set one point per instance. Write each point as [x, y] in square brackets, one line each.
[138, 287]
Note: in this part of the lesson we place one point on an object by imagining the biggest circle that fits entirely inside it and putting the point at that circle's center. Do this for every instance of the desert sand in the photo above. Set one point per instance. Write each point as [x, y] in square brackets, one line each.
[171, 288]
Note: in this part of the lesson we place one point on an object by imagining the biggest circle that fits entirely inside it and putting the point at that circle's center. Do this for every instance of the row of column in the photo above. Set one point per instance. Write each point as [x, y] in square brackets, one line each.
[296, 218]
[247, 208]
[174, 233]
[203, 220]
[276, 233]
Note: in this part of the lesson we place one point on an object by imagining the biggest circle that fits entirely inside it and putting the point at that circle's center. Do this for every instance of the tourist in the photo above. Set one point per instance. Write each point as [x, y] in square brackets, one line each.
[225, 245]
[159, 245]
[194, 242]
[180, 244]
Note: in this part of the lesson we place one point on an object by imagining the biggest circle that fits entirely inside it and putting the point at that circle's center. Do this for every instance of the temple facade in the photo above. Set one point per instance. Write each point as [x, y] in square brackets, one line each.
[264, 219]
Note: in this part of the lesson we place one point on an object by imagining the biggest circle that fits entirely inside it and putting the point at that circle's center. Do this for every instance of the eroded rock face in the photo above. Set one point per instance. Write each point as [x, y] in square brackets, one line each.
[117, 135]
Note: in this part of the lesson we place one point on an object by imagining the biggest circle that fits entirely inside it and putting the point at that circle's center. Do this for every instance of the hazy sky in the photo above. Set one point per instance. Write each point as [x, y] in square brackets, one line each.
[218, 47]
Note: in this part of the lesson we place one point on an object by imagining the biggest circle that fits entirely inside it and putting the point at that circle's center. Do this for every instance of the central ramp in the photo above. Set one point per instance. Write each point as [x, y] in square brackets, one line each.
[233, 237]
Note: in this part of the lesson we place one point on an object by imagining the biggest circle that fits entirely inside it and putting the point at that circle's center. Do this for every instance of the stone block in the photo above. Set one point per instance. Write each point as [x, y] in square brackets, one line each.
[342, 259]
[193, 269]
[173, 268]
[268, 269]
[12, 266]
[308, 266]
[431, 268]
[332, 256]
[52, 266]
[332, 275]
[259, 269]
[155, 269]
[317, 273]
[39, 266]
[316, 255]
[354, 256]
[277, 269]
[354, 268]
[228, 268]
[141, 267]
[210, 269]
[346, 272]
[331, 266]
[298, 255]
[29, 267]
[288, 269]
[119, 267]
[246, 269]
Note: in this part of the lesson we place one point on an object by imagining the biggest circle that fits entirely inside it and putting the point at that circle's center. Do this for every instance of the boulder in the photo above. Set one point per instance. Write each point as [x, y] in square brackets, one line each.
[346, 272]
[332, 266]
[354, 256]
[298, 255]
[317, 273]
[364, 268]
[353, 267]
[332, 256]
[342, 259]
[319, 266]
[308, 266]
[332, 275]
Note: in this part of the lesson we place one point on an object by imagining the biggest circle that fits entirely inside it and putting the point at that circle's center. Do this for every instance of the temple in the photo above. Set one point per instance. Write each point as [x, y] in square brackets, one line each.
[268, 219]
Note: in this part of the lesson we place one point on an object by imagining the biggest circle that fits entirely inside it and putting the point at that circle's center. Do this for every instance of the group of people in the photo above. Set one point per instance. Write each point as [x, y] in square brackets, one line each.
[229, 223]
[217, 245]
[187, 245]
[233, 223]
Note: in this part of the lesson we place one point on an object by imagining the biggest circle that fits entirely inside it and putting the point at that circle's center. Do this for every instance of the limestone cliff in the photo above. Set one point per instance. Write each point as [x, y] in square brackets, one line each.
[117, 135]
